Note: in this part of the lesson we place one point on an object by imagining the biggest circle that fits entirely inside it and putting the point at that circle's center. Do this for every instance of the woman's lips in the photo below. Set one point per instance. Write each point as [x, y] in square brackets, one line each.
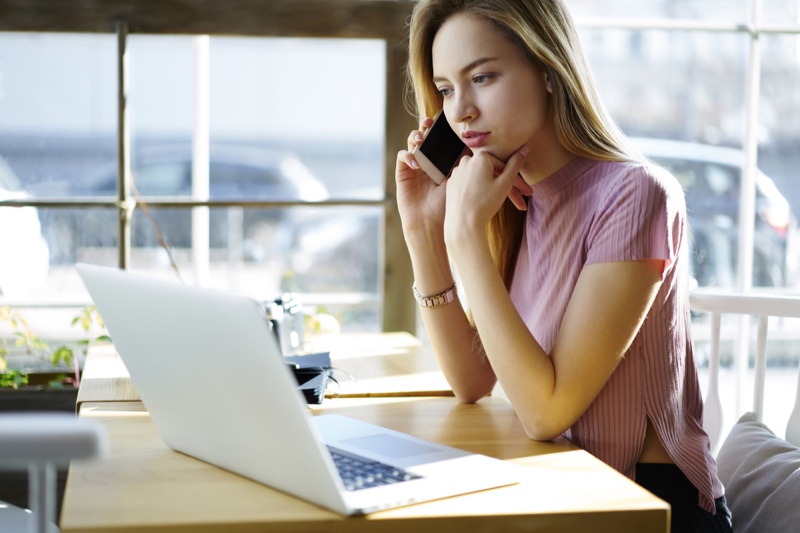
[474, 139]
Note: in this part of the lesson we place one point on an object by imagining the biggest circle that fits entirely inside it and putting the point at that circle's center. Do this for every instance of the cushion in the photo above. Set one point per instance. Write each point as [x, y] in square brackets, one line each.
[761, 474]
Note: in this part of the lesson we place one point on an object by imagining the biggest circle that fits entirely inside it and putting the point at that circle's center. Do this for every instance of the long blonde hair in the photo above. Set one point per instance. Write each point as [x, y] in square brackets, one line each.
[545, 31]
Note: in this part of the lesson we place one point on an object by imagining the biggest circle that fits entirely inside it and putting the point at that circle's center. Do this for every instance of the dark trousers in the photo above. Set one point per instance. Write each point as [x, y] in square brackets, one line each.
[670, 484]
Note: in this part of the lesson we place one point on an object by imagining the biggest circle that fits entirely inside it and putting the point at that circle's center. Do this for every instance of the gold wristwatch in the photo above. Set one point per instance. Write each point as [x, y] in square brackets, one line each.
[443, 298]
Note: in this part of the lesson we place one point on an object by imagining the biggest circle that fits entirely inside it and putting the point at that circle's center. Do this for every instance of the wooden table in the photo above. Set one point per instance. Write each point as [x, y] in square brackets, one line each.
[367, 364]
[143, 485]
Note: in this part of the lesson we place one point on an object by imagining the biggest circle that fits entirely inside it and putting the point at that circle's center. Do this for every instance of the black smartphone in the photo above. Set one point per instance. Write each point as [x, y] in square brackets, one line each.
[440, 149]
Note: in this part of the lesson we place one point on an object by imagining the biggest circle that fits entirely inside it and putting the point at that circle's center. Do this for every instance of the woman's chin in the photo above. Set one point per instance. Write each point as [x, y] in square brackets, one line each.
[496, 152]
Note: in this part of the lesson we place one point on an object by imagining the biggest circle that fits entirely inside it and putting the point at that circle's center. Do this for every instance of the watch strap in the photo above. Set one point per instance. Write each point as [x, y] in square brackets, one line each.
[443, 298]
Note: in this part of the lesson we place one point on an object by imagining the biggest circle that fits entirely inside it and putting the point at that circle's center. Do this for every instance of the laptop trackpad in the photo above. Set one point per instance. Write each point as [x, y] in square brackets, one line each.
[389, 445]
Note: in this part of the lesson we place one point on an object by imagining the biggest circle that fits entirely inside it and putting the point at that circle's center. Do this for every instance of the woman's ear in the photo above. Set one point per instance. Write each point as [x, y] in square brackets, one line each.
[547, 83]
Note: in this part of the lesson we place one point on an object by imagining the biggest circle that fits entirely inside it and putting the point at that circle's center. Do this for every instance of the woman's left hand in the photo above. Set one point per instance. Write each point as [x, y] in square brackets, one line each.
[475, 191]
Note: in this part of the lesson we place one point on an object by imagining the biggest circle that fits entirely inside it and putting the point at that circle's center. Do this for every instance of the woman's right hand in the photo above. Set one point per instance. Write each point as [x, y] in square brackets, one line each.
[419, 199]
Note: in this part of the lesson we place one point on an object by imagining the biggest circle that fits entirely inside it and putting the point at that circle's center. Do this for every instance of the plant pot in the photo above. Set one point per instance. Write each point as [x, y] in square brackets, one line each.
[37, 398]
[33, 399]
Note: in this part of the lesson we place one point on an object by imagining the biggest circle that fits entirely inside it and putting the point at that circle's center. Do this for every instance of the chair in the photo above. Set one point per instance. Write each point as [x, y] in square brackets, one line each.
[760, 470]
[39, 443]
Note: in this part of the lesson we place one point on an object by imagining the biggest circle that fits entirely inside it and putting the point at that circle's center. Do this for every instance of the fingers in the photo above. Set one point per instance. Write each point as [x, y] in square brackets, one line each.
[514, 165]
[516, 161]
[414, 140]
[416, 136]
[405, 157]
[510, 175]
[518, 192]
[517, 199]
[497, 164]
[522, 186]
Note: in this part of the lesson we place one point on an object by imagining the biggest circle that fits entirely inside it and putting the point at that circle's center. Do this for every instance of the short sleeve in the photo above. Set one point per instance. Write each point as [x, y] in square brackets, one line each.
[641, 216]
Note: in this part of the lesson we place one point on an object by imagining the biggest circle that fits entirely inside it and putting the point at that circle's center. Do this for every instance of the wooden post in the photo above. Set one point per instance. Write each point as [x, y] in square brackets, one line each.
[399, 308]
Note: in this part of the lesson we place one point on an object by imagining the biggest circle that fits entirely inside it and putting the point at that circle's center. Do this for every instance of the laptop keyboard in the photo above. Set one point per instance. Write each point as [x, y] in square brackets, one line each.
[362, 473]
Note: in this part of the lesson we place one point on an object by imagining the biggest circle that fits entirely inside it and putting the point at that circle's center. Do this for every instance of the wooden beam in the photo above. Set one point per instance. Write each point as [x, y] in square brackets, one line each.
[399, 308]
[370, 19]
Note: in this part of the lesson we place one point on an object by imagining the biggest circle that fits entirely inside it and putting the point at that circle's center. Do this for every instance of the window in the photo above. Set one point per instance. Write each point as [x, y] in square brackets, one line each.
[669, 70]
[289, 121]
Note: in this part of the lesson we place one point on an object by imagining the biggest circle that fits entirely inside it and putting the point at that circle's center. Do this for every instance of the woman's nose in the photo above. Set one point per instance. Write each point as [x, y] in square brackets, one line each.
[464, 109]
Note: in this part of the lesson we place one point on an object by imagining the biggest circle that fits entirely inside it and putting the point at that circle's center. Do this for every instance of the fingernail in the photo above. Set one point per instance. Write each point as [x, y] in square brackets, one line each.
[418, 137]
[524, 151]
[414, 163]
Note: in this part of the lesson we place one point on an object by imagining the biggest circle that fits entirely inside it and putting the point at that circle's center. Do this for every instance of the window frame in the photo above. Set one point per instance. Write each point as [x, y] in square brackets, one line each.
[372, 19]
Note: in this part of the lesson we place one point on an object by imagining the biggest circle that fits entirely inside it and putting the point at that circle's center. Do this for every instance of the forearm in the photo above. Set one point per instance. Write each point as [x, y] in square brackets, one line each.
[519, 362]
[451, 335]
[607, 307]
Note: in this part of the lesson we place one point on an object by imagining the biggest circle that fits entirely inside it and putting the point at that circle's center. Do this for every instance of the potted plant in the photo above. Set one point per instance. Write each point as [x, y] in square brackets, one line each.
[23, 390]
[56, 390]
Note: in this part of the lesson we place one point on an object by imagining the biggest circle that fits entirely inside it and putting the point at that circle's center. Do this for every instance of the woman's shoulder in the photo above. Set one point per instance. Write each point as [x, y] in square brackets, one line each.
[642, 177]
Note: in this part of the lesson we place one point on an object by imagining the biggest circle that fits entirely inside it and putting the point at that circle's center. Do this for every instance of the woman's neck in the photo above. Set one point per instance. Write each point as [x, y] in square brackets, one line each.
[547, 157]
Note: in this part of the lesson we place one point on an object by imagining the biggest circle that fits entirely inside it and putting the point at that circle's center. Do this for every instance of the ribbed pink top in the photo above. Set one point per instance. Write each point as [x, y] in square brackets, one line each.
[594, 212]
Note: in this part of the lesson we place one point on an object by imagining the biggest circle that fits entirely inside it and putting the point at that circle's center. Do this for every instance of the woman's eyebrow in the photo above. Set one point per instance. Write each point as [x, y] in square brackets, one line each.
[467, 68]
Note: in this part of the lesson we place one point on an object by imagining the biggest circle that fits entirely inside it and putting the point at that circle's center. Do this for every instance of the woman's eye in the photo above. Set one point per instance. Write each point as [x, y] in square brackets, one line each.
[444, 91]
[481, 78]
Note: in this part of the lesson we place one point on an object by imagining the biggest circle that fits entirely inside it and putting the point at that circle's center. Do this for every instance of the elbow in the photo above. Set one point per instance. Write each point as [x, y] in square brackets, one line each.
[473, 391]
[542, 429]
[541, 436]
[468, 398]
[471, 395]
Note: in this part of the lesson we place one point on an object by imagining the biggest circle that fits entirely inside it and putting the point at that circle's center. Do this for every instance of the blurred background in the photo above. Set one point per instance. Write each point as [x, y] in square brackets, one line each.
[293, 122]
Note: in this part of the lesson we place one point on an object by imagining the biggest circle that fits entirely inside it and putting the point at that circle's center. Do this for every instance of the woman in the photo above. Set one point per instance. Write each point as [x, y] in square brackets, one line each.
[577, 303]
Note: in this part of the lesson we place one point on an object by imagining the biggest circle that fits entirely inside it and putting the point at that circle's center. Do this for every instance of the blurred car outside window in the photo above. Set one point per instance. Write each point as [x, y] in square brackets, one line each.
[711, 178]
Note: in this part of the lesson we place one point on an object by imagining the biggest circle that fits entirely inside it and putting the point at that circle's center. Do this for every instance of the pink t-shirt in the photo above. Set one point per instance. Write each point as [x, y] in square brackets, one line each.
[595, 212]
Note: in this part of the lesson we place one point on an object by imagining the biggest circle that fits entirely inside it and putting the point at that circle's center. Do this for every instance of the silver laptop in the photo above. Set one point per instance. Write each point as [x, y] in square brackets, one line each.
[211, 374]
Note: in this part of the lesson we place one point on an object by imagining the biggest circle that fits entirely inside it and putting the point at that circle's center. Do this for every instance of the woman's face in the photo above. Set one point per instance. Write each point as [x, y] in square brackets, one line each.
[494, 97]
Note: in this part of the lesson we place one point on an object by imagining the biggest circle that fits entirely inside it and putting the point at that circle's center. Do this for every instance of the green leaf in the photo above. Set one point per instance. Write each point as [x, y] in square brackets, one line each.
[13, 379]
[58, 382]
[62, 354]
[22, 339]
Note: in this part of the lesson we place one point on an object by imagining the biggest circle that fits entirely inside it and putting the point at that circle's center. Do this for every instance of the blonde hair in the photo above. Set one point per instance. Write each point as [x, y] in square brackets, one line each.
[545, 31]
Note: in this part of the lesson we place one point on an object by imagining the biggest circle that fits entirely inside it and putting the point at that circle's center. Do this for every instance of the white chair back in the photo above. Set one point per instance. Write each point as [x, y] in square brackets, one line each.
[38, 443]
[763, 306]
